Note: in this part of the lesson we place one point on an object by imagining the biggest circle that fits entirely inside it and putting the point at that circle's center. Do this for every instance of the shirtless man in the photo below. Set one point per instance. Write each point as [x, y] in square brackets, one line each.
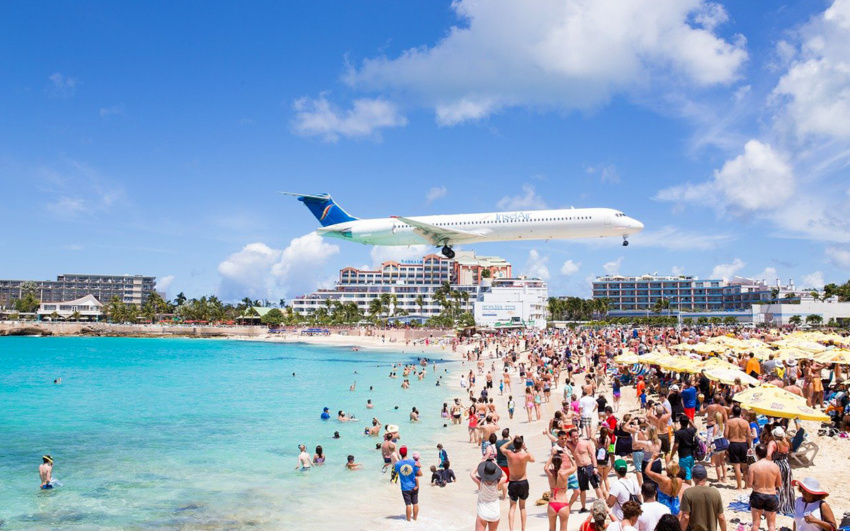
[740, 437]
[792, 386]
[518, 459]
[660, 418]
[489, 426]
[388, 451]
[710, 414]
[584, 454]
[45, 471]
[304, 462]
[375, 430]
[765, 478]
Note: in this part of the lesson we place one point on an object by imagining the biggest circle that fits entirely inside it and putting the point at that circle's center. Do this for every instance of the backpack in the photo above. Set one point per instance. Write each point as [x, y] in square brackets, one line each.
[701, 449]
[632, 497]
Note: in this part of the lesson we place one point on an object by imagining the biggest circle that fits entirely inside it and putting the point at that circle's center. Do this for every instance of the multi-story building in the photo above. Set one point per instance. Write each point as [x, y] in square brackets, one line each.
[130, 289]
[632, 295]
[411, 282]
[641, 293]
[512, 303]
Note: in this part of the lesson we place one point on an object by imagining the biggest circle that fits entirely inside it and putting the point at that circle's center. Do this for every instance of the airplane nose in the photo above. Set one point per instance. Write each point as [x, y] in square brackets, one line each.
[637, 225]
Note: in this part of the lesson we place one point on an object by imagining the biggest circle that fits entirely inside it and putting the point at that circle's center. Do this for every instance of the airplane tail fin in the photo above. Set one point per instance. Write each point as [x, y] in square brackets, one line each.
[323, 207]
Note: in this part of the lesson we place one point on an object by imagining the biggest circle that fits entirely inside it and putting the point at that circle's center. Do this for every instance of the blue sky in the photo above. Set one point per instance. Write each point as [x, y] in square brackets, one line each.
[151, 138]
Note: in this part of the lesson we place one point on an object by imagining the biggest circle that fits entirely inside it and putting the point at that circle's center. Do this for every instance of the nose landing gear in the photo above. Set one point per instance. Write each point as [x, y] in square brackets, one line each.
[625, 241]
[447, 252]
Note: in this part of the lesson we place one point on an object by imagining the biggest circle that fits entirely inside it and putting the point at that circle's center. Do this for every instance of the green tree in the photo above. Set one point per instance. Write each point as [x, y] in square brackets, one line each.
[28, 301]
[774, 294]
[485, 273]
[420, 301]
[687, 321]
[729, 320]
[814, 319]
[795, 320]
[180, 299]
[702, 320]
[273, 317]
[715, 320]
[376, 308]
[815, 295]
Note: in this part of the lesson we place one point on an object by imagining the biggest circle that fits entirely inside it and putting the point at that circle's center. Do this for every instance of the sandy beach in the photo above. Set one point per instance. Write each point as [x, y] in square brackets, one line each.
[453, 507]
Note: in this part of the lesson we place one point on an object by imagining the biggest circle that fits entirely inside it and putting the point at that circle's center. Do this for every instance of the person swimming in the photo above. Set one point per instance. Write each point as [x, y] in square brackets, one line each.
[45, 471]
[336, 435]
[326, 414]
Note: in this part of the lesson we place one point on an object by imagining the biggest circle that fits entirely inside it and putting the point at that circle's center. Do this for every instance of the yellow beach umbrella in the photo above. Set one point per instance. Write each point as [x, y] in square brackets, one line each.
[728, 376]
[680, 364]
[628, 358]
[777, 402]
[682, 346]
[705, 348]
[838, 355]
[717, 363]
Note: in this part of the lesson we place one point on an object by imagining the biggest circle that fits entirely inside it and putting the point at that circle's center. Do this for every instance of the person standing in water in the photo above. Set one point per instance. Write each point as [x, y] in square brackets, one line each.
[45, 471]
[303, 459]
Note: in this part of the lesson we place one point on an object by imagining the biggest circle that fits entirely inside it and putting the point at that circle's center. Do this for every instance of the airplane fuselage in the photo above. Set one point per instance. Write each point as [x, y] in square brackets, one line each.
[491, 227]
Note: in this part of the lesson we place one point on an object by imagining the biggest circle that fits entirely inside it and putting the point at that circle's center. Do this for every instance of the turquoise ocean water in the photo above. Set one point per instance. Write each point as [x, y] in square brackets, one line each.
[179, 433]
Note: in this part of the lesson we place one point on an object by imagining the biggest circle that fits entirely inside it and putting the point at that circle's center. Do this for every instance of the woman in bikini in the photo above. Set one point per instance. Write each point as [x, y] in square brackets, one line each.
[558, 470]
[670, 486]
[529, 402]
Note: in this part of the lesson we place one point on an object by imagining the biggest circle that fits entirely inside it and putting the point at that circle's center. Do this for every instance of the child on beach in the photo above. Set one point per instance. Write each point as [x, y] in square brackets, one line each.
[511, 406]
[351, 465]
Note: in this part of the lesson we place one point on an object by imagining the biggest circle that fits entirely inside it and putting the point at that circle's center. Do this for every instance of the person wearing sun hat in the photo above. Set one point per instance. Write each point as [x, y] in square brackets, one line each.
[811, 512]
[489, 478]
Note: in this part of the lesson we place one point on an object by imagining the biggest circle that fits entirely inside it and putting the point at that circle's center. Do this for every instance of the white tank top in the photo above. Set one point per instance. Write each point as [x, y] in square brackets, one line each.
[801, 509]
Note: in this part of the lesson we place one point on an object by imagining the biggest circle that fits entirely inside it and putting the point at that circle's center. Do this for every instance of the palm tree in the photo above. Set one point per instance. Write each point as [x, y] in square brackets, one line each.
[795, 320]
[814, 319]
[421, 303]
[464, 296]
[376, 307]
[76, 316]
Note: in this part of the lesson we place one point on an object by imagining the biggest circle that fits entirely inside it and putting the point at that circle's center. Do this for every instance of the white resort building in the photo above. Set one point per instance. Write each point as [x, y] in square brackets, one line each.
[411, 282]
[86, 308]
[512, 303]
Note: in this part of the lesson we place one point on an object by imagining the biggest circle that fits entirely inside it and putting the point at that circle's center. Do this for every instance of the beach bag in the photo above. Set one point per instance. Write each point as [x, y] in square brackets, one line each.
[751, 456]
[635, 497]
[602, 455]
[721, 444]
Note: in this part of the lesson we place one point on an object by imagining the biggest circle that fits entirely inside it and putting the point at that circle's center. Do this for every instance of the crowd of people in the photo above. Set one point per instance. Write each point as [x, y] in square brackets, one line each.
[648, 460]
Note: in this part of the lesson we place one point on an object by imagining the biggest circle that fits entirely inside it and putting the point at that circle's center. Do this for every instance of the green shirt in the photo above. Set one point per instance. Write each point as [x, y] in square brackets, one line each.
[704, 505]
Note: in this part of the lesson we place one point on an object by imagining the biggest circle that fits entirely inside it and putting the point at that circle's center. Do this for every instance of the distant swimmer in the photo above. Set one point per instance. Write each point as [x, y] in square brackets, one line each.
[351, 465]
[336, 435]
[57, 381]
[369, 404]
[414, 415]
[375, 430]
[45, 471]
[342, 417]
[353, 386]
[325, 414]
[303, 459]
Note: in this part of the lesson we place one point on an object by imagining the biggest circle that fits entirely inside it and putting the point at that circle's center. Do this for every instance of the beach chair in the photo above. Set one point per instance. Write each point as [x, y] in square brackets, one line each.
[801, 449]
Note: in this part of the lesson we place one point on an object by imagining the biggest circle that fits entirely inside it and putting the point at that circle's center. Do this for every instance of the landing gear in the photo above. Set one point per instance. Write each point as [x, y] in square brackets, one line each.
[625, 241]
[447, 252]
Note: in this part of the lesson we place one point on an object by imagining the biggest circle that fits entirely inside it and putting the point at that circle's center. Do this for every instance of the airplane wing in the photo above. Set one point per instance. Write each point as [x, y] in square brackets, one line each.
[439, 235]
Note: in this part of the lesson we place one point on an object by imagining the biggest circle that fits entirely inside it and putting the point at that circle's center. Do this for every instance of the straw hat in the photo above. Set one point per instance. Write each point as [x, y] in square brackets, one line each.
[810, 485]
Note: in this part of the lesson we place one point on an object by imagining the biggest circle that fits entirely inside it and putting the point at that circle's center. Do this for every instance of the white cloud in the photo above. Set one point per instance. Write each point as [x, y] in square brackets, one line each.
[557, 54]
[677, 271]
[317, 117]
[759, 179]
[769, 275]
[437, 192]
[106, 112]
[607, 173]
[259, 271]
[613, 267]
[814, 91]
[570, 268]
[814, 280]
[62, 86]
[726, 271]
[75, 190]
[529, 200]
[536, 266]
[839, 256]
[668, 238]
[163, 283]
[384, 253]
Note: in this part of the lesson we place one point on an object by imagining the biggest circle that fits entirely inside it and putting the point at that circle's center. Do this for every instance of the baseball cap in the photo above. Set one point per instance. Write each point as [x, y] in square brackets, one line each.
[599, 511]
[699, 472]
[674, 387]
[620, 465]
[402, 451]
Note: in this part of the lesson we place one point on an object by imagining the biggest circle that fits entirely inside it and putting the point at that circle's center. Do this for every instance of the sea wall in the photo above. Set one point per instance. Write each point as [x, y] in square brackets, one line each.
[21, 328]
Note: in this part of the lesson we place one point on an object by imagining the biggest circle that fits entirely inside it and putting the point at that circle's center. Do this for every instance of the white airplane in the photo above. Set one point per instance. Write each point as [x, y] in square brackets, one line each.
[448, 230]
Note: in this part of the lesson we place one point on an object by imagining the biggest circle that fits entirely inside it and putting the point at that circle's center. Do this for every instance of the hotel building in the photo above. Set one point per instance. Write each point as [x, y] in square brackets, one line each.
[131, 289]
[687, 293]
[407, 281]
